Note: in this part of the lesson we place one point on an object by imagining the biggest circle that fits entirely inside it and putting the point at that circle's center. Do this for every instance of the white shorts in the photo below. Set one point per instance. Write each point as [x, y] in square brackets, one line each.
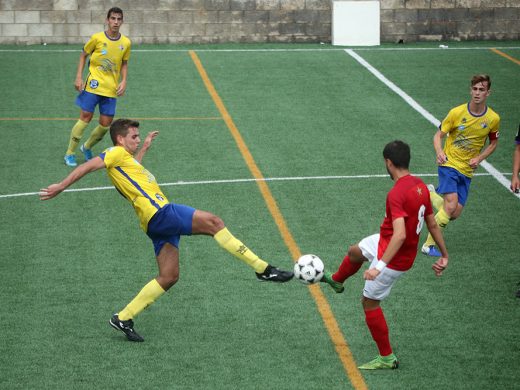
[379, 288]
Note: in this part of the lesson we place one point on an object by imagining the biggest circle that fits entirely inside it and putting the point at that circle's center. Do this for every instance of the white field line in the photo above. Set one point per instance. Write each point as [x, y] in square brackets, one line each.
[231, 181]
[417, 107]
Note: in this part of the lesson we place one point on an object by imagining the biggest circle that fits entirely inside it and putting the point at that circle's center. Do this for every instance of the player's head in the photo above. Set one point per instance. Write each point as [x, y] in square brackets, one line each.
[397, 152]
[120, 127]
[481, 78]
[480, 88]
[114, 10]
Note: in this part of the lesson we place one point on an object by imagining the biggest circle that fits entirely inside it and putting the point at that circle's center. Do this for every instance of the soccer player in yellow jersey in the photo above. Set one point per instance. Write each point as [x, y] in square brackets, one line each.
[109, 53]
[466, 129]
[163, 222]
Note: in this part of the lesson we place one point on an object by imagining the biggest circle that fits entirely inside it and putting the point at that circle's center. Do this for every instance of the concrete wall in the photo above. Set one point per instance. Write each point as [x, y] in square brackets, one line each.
[213, 21]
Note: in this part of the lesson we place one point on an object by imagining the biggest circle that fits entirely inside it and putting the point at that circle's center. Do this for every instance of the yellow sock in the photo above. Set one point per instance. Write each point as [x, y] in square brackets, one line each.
[145, 298]
[75, 135]
[234, 246]
[97, 135]
[437, 200]
[442, 220]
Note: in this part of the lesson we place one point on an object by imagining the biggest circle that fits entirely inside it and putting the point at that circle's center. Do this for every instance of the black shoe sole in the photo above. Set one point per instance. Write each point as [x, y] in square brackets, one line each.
[275, 280]
[129, 338]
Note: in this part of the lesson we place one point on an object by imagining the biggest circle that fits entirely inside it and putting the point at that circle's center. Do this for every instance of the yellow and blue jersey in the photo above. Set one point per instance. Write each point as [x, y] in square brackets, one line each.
[134, 182]
[106, 58]
[466, 135]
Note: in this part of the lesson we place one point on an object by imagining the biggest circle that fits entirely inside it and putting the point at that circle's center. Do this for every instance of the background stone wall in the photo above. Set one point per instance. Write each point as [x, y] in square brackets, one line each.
[213, 21]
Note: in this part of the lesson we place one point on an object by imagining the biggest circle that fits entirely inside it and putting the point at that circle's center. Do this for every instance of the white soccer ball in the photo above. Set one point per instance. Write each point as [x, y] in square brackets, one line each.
[309, 269]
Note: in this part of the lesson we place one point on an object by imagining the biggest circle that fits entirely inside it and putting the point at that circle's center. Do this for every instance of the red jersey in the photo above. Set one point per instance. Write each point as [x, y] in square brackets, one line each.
[409, 198]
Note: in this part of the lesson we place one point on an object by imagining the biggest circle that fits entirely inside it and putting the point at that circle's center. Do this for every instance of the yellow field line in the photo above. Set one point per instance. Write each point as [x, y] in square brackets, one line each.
[211, 118]
[329, 320]
[501, 53]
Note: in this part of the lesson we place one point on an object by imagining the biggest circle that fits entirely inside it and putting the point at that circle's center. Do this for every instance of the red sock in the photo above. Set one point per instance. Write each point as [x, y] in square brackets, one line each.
[376, 323]
[346, 269]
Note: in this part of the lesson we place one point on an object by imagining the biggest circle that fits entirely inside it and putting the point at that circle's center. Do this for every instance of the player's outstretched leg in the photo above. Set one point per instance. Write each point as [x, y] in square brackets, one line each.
[127, 327]
[204, 222]
[264, 271]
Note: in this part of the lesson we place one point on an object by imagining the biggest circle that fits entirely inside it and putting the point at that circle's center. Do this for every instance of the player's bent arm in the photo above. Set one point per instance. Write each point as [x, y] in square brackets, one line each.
[121, 88]
[486, 153]
[78, 83]
[55, 189]
[146, 145]
[515, 181]
[397, 240]
[437, 145]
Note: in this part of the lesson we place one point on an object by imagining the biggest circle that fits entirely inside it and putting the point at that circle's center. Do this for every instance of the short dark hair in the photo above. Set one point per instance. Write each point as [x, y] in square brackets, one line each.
[120, 127]
[114, 10]
[398, 152]
[481, 78]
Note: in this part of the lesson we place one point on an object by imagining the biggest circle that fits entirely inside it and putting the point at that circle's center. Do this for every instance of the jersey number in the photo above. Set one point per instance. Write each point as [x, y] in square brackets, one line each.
[420, 217]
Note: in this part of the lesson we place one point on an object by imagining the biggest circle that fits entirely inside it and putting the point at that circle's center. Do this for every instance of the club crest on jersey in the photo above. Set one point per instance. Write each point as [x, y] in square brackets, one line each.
[103, 51]
[121, 47]
[461, 128]
[159, 197]
[483, 125]
[94, 84]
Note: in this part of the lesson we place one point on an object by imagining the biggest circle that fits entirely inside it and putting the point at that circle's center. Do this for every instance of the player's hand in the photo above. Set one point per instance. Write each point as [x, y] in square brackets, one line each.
[515, 185]
[371, 274]
[78, 84]
[121, 88]
[50, 192]
[440, 265]
[474, 162]
[441, 158]
[149, 138]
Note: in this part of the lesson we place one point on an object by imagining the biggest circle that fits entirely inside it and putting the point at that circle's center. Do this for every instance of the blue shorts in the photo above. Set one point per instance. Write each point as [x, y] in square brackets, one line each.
[169, 224]
[88, 101]
[452, 181]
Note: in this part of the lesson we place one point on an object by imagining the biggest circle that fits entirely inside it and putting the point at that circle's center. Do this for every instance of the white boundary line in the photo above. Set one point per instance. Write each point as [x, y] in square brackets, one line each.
[231, 181]
[417, 107]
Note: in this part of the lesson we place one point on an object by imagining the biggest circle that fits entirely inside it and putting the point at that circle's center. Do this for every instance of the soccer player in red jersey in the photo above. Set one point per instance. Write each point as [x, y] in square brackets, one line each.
[392, 251]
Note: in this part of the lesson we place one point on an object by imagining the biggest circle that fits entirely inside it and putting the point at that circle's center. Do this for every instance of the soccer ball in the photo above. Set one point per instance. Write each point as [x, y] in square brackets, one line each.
[309, 269]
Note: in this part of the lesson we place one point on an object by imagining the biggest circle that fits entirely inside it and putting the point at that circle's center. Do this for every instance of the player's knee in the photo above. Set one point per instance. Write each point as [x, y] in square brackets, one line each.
[106, 121]
[355, 254]
[86, 116]
[451, 208]
[216, 223]
[168, 281]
